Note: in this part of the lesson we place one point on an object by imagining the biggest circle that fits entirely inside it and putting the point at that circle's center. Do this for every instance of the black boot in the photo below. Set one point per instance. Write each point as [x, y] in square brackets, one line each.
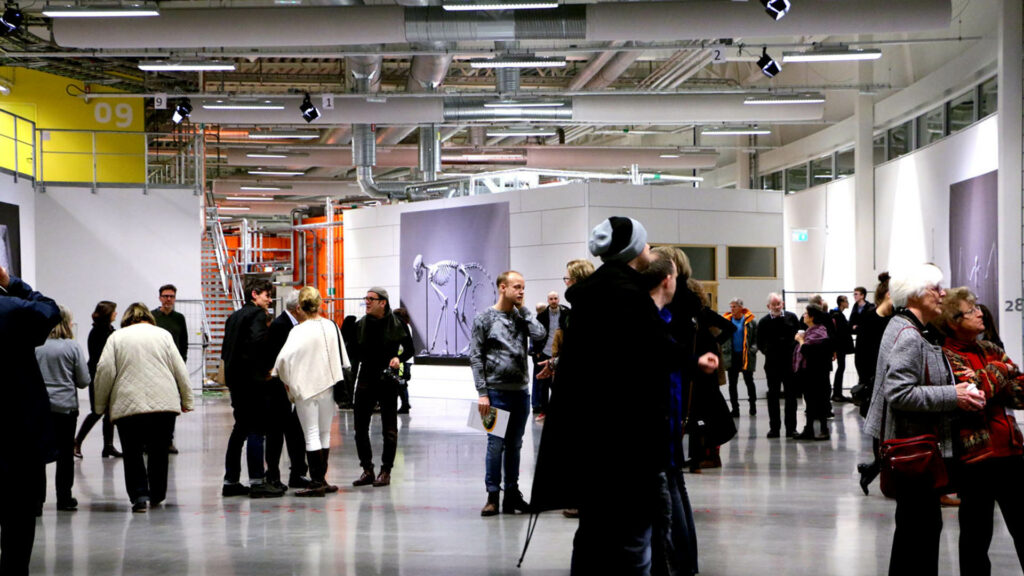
[514, 503]
[491, 508]
[316, 488]
[868, 472]
[328, 487]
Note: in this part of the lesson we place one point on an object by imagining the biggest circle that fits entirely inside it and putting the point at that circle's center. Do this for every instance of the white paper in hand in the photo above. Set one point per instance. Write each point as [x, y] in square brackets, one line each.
[495, 423]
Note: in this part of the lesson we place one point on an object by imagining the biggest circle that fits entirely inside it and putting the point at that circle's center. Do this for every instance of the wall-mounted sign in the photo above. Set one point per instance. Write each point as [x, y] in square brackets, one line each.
[799, 235]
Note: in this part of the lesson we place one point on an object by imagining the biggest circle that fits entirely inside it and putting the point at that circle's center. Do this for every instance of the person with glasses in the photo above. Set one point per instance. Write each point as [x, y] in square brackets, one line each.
[915, 394]
[382, 343]
[174, 322]
[989, 443]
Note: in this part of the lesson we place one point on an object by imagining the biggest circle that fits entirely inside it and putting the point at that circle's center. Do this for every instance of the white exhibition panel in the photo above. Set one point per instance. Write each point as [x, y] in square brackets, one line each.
[22, 195]
[119, 245]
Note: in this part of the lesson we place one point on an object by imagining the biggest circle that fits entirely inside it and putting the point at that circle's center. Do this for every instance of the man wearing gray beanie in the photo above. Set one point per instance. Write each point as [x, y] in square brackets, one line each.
[615, 352]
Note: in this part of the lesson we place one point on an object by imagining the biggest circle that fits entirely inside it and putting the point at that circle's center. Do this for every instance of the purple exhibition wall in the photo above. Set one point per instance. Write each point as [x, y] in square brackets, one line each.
[463, 250]
[973, 226]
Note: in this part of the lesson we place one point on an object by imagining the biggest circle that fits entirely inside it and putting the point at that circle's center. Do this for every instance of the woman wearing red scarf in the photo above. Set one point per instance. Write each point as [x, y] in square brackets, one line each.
[989, 444]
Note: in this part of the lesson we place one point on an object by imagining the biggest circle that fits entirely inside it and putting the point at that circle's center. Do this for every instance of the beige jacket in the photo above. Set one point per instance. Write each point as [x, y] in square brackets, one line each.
[141, 372]
[312, 358]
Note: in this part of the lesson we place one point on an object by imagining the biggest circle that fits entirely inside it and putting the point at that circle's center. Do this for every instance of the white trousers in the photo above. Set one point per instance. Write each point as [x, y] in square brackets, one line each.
[315, 415]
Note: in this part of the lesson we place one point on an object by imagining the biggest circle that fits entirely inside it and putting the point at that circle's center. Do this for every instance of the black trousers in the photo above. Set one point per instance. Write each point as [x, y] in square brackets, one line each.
[283, 430]
[782, 382]
[915, 544]
[984, 484]
[91, 419]
[367, 397]
[18, 518]
[541, 386]
[748, 378]
[64, 434]
[146, 435]
[837, 382]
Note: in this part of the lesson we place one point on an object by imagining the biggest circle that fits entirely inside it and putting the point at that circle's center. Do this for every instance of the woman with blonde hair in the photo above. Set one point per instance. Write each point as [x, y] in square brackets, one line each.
[142, 382]
[64, 370]
[311, 362]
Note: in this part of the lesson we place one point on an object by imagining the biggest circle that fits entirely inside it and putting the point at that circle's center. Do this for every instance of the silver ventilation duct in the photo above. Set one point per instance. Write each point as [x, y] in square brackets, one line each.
[426, 73]
[430, 152]
[611, 21]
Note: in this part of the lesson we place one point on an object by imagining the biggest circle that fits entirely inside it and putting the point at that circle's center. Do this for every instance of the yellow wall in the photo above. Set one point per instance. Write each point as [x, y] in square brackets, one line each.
[50, 102]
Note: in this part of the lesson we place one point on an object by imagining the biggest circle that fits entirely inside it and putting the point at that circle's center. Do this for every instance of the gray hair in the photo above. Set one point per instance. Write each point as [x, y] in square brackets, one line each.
[774, 295]
[291, 301]
[818, 302]
[736, 301]
[912, 283]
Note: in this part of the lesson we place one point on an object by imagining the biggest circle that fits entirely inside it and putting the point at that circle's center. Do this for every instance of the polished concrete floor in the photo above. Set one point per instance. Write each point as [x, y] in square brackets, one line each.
[775, 507]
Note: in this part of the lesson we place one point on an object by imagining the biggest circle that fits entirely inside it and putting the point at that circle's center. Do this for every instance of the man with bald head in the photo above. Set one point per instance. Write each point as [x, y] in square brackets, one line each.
[553, 318]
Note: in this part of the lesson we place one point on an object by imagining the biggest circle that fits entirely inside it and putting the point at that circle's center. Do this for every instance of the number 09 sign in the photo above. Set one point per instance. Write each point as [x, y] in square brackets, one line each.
[119, 114]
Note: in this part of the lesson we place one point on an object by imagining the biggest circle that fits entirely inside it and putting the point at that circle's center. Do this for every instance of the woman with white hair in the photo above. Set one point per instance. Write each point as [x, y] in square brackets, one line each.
[311, 362]
[914, 395]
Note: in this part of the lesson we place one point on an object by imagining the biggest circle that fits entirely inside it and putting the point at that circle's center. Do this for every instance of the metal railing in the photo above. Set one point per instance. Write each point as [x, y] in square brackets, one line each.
[17, 145]
[230, 275]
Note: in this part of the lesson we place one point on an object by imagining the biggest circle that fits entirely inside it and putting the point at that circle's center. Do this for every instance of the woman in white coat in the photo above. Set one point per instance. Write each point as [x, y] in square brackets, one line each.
[311, 362]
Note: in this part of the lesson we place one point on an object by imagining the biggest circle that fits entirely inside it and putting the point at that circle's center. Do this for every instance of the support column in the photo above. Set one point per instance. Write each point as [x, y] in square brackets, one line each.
[743, 162]
[864, 184]
[1010, 181]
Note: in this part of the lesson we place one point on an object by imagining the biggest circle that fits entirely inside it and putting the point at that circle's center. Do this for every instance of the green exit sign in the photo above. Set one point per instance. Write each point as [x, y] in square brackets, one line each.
[799, 235]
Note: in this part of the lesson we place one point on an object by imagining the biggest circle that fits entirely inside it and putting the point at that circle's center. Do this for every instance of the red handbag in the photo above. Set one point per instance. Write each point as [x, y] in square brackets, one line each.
[912, 466]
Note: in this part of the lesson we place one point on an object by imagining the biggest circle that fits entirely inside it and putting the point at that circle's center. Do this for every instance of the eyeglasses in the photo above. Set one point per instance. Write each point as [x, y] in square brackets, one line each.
[566, 279]
[974, 310]
[167, 295]
[372, 299]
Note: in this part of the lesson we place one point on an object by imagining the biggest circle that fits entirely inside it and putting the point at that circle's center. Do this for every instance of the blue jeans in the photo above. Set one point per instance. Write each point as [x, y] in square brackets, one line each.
[517, 403]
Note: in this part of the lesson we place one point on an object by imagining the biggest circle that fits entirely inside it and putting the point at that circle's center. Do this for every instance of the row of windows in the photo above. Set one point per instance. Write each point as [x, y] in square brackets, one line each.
[741, 261]
[945, 119]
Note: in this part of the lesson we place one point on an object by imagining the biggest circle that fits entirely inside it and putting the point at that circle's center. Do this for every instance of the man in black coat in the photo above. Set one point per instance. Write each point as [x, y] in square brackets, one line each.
[609, 472]
[861, 307]
[541, 352]
[26, 319]
[247, 365]
[284, 427]
[843, 346]
[775, 333]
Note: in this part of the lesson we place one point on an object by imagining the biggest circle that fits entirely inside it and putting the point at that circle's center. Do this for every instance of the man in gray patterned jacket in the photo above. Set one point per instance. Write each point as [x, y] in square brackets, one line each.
[498, 353]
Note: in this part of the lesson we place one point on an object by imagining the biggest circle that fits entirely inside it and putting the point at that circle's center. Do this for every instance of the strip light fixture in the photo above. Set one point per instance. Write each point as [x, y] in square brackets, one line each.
[770, 99]
[736, 131]
[262, 188]
[249, 198]
[455, 6]
[525, 104]
[525, 132]
[518, 62]
[224, 105]
[134, 10]
[265, 155]
[277, 173]
[283, 135]
[831, 55]
[233, 208]
[185, 65]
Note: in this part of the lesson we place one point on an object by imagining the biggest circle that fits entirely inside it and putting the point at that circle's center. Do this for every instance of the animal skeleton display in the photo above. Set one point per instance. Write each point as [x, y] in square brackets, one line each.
[439, 274]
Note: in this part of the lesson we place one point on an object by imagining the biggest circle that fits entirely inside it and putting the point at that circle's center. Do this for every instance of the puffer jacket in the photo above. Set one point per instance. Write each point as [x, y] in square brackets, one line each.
[747, 358]
[141, 372]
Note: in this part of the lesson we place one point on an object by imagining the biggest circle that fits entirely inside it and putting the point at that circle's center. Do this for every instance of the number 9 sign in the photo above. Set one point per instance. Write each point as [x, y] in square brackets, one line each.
[121, 114]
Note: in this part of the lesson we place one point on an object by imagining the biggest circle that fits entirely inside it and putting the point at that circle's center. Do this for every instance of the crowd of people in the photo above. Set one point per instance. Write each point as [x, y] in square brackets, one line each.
[929, 364]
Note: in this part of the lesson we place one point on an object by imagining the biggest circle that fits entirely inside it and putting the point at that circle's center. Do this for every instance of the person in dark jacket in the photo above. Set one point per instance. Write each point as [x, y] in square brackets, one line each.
[26, 319]
[541, 352]
[776, 333]
[812, 361]
[103, 318]
[344, 394]
[247, 367]
[284, 428]
[382, 343]
[842, 345]
[872, 327]
[174, 322]
[861, 308]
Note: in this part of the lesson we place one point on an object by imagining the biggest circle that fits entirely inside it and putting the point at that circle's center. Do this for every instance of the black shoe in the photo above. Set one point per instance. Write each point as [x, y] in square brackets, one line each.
[403, 410]
[841, 399]
[313, 490]
[753, 410]
[111, 452]
[383, 479]
[514, 503]
[234, 489]
[365, 479]
[868, 472]
[735, 412]
[69, 505]
[141, 505]
[807, 434]
[794, 434]
[298, 482]
[265, 490]
[278, 484]
[773, 434]
[172, 449]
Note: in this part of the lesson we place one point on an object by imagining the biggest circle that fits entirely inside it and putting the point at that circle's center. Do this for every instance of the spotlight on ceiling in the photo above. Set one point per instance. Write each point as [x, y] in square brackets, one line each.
[776, 8]
[309, 112]
[11, 19]
[182, 110]
[768, 65]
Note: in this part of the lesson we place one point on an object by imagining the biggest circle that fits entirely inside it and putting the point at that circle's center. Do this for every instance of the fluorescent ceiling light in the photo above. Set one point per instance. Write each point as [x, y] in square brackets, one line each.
[736, 132]
[527, 104]
[111, 11]
[235, 208]
[222, 105]
[627, 132]
[276, 173]
[669, 156]
[266, 155]
[523, 62]
[262, 188]
[513, 5]
[522, 132]
[483, 157]
[249, 198]
[786, 99]
[283, 135]
[185, 66]
[831, 55]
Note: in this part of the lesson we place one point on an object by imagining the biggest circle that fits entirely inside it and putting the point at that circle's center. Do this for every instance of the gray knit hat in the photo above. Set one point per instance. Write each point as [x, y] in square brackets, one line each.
[618, 239]
[379, 292]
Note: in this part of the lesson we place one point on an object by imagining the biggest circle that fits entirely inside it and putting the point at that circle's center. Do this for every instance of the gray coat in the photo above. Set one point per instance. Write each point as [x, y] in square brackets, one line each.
[914, 387]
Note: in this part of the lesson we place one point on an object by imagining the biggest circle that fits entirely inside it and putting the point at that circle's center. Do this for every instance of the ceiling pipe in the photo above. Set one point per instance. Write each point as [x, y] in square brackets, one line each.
[430, 152]
[611, 72]
[611, 21]
[426, 74]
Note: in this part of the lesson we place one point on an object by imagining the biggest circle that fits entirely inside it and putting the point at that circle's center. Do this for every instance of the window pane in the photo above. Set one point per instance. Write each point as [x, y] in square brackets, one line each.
[989, 97]
[702, 261]
[844, 163]
[821, 170]
[772, 181]
[751, 262]
[879, 147]
[930, 126]
[961, 112]
[796, 178]
[899, 140]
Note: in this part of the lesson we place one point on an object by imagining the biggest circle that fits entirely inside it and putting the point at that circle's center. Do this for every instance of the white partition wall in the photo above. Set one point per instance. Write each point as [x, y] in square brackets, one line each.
[550, 226]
